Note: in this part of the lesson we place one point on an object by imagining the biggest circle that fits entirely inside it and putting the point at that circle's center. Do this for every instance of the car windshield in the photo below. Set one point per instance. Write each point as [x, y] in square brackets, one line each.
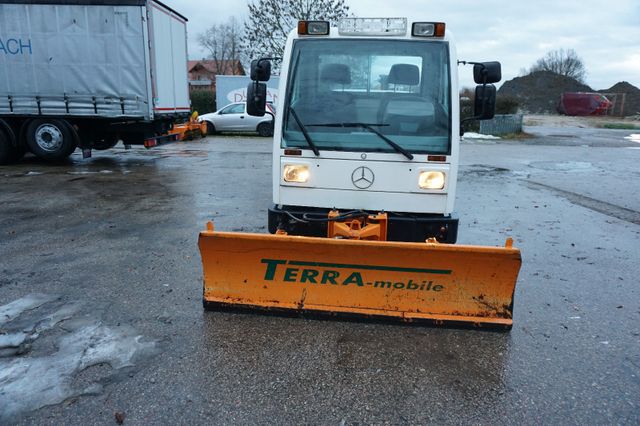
[400, 89]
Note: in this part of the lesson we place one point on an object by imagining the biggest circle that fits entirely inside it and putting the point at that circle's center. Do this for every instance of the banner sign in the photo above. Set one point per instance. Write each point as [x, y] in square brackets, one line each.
[233, 88]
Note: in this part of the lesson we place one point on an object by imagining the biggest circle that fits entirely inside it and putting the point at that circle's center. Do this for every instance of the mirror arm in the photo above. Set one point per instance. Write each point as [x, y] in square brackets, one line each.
[470, 63]
[484, 69]
[466, 120]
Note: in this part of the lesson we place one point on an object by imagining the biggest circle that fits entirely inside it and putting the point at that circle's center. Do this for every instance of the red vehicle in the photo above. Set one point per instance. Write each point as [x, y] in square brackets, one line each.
[584, 104]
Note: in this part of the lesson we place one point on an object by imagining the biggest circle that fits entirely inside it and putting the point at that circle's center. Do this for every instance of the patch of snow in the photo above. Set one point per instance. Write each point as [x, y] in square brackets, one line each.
[634, 137]
[12, 310]
[473, 135]
[28, 383]
[12, 340]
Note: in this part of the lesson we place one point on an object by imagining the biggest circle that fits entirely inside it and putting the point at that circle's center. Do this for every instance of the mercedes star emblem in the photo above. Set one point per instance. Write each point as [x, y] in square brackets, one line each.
[362, 177]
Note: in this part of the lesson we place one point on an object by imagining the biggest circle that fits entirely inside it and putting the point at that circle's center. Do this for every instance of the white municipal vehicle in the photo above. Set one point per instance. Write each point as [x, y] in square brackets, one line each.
[368, 122]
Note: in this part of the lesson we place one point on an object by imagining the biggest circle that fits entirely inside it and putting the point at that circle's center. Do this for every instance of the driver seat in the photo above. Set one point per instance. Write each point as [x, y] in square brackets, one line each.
[337, 105]
[405, 113]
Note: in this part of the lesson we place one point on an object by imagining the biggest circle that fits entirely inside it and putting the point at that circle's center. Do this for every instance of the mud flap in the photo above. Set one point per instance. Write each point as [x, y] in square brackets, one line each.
[439, 283]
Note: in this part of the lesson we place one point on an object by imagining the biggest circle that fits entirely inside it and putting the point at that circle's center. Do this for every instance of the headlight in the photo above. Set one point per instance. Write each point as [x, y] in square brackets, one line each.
[298, 173]
[431, 180]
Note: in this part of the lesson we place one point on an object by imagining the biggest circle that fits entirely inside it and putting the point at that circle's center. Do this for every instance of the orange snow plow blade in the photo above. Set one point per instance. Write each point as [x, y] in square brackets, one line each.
[438, 283]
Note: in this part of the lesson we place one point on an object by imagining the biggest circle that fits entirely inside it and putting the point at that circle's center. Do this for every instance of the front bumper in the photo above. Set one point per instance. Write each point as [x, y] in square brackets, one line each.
[409, 227]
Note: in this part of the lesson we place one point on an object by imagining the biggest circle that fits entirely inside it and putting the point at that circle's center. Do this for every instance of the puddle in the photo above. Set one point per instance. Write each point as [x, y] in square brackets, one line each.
[186, 153]
[570, 136]
[30, 173]
[46, 344]
[87, 172]
[482, 170]
[563, 166]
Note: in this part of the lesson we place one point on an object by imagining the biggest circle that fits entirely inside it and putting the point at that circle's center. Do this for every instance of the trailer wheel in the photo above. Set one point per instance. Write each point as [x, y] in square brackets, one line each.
[106, 143]
[211, 129]
[7, 150]
[50, 139]
[18, 153]
[265, 129]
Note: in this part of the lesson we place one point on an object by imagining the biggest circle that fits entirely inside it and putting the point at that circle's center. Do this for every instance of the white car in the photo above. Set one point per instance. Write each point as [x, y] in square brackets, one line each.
[234, 118]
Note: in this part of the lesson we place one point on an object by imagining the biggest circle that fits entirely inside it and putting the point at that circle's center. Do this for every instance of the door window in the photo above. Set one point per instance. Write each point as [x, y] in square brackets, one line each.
[233, 109]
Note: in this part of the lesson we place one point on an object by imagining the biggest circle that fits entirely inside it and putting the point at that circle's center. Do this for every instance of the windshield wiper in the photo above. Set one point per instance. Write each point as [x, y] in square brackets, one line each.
[312, 145]
[370, 128]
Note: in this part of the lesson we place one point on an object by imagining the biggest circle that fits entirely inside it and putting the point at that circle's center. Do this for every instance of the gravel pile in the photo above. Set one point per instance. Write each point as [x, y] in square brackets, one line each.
[539, 92]
[632, 99]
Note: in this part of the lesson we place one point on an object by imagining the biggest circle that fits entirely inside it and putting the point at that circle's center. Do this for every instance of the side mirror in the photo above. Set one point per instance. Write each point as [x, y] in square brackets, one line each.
[487, 72]
[484, 107]
[260, 70]
[256, 99]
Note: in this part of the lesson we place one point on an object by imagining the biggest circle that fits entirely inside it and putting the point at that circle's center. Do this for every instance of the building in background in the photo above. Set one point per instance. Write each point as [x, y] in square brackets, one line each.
[202, 73]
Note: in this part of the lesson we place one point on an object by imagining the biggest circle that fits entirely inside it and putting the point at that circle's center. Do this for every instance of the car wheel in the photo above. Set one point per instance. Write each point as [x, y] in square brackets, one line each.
[50, 139]
[211, 129]
[265, 129]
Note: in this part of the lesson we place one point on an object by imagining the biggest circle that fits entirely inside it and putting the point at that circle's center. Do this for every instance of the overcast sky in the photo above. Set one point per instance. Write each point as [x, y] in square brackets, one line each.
[604, 33]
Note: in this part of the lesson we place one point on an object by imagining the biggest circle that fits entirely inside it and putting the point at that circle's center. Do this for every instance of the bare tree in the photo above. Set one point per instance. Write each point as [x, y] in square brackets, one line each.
[223, 42]
[562, 62]
[270, 21]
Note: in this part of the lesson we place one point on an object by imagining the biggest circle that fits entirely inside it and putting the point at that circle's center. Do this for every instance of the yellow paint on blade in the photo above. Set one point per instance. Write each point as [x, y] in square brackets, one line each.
[408, 281]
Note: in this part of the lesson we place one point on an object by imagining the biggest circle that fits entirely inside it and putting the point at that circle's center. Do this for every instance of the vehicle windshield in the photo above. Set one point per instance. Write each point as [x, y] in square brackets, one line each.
[342, 89]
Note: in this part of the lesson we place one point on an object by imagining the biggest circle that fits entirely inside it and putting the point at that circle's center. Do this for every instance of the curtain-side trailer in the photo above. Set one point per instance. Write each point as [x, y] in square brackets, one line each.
[87, 74]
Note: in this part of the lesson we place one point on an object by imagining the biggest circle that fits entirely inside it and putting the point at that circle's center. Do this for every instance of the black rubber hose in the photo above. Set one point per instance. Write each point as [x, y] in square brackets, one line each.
[348, 215]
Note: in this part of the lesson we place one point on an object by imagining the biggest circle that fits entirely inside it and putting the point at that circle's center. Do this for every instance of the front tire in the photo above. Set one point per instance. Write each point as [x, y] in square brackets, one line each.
[50, 139]
[211, 129]
[265, 129]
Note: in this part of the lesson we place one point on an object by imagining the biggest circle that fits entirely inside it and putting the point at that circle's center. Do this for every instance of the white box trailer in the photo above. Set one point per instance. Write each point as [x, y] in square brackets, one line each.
[93, 72]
